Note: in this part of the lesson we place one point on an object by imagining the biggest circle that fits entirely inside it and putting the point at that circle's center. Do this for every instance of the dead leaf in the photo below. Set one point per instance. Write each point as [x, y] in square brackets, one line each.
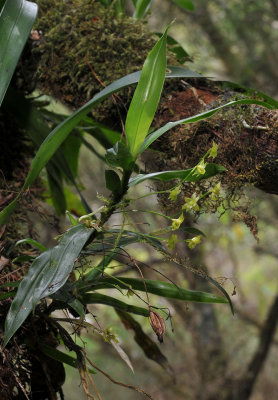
[4, 262]
[122, 353]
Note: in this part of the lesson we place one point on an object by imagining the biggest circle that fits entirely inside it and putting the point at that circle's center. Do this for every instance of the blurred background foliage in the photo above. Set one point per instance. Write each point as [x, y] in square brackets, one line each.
[234, 40]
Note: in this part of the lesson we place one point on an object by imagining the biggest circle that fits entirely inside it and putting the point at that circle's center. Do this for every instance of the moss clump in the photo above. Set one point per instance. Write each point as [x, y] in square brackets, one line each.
[83, 44]
[246, 136]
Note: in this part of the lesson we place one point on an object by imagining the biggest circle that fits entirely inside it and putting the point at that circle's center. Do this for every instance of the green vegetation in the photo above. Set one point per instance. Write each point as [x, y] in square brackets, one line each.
[91, 249]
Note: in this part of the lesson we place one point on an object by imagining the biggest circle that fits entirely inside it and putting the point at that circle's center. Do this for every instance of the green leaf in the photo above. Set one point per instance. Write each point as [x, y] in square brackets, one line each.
[7, 295]
[249, 92]
[11, 284]
[32, 242]
[185, 175]
[180, 72]
[185, 4]
[141, 8]
[146, 96]
[55, 183]
[175, 47]
[120, 6]
[97, 271]
[63, 164]
[46, 275]
[2, 2]
[77, 306]
[113, 181]
[23, 258]
[192, 230]
[103, 134]
[73, 221]
[7, 211]
[70, 151]
[16, 20]
[138, 237]
[127, 237]
[119, 156]
[61, 132]
[60, 356]
[170, 125]
[159, 288]
[97, 298]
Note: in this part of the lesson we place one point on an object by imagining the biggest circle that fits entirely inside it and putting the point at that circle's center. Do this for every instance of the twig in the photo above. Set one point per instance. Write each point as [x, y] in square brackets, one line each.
[21, 386]
[137, 389]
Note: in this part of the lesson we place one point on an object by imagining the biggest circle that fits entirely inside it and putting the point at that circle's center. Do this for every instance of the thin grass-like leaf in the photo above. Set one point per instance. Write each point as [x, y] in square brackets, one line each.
[98, 270]
[63, 164]
[16, 20]
[185, 175]
[97, 298]
[141, 8]
[60, 356]
[249, 92]
[170, 125]
[176, 48]
[120, 6]
[187, 5]
[32, 242]
[7, 295]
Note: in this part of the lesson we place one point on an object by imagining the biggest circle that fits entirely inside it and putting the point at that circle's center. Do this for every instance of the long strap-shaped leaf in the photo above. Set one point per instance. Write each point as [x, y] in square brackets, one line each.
[46, 275]
[185, 4]
[159, 288]
[170, 125]
[58, 355]
[186, 175]
[16, 20]
[31, 119]
[61, 132]
[146, 96]
[98, 298]
[141, 8]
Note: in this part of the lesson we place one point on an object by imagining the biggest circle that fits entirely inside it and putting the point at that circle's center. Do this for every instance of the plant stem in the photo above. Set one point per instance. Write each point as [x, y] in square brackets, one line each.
[116, 198]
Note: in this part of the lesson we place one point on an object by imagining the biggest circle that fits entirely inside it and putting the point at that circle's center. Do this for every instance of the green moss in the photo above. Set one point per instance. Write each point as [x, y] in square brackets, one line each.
[84, 46]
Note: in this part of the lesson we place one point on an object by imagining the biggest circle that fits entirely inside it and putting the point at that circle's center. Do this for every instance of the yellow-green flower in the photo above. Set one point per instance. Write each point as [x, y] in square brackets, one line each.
[191, 203]
[215, 192]
[201, 168]
[192, 243]
[213, 150]
[176, 223]
[174, 193]
[172, 241]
